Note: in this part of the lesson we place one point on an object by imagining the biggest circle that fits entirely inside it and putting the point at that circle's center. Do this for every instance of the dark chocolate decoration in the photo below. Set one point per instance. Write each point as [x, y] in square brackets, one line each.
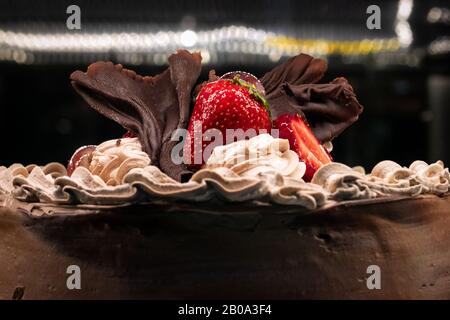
[152, 107]
[292, 88]
[211, 78]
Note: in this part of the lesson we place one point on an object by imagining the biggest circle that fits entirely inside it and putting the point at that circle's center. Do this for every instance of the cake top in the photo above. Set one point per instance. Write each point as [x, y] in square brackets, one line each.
[240, 139]
[261, 170]
[153, 108]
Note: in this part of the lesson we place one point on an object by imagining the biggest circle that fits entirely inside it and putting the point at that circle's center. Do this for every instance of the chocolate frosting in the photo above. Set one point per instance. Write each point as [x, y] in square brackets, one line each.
[152, 107]
[171, 250]
[292, 88]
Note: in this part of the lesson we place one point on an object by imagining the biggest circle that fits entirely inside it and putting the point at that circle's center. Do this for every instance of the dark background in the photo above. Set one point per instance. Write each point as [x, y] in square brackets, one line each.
[406, 93]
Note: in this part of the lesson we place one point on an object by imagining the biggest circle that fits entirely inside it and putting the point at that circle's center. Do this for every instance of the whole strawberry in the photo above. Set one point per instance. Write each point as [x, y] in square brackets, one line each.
[302, 140]
[224, 104]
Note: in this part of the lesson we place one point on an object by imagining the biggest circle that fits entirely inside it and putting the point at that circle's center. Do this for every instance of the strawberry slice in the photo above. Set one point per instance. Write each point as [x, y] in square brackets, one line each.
[80, 155]
[129, 134]
[302, 140]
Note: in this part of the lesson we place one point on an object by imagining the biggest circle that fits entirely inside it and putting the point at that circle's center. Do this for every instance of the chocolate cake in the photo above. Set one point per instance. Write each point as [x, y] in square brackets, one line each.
[269, 215]
[178, 251]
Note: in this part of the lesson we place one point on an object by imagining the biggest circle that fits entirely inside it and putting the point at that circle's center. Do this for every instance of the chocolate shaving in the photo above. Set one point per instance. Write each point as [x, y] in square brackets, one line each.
[211, 78]
[292, 88]
[151, 107]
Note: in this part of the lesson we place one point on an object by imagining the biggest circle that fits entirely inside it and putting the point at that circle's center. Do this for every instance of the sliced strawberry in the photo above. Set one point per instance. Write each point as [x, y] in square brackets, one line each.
[302, 140]
[224, 104]
[129, 134]
[81, 154]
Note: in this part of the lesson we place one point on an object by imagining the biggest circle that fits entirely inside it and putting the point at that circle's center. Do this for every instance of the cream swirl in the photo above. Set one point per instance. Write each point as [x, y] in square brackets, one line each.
[434, 178]
[113, 159]
[387, 178]
[332, 183]
[258, 155]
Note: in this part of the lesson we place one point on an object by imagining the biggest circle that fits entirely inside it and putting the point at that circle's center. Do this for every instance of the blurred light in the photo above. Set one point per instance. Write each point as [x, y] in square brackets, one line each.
[5, 54]
[427, 116]
[274, 56]
[188, 22]
[402, 27]
[135, 59]
[439, 46]
[436, 15]
[411, 59]
[159, 41]
[404, 33]
[19, 56]
[206, 56]
[327, 47]
[404, 9]
[159, 59]
[153, 47]
[189, 38]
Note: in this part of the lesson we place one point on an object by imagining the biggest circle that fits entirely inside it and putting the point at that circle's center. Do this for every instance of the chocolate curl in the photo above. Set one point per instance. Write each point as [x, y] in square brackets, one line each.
[151, 107]
[211, 78]
[292, 88]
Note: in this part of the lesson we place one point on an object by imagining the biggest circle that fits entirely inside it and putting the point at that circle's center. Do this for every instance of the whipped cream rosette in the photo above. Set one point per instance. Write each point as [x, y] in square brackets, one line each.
[113, 159]
[261, 154]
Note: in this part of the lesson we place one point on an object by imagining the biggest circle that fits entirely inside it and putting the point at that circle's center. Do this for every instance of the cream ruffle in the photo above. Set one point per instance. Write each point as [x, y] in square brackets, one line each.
[333, 182]
[150, 183]
[386, 179]
[17, 171]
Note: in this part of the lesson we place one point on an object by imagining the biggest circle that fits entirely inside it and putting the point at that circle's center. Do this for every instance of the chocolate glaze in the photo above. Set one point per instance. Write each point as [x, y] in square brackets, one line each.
[292, 88]
[152, 107]
[195, 252]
